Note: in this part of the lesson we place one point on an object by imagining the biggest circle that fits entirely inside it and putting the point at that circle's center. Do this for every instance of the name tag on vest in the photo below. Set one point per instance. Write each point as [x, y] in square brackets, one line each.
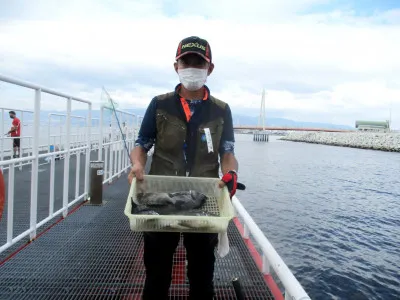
[209, 140]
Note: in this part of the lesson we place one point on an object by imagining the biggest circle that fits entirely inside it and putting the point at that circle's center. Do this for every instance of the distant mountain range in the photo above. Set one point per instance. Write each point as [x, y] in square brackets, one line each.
[238, 119]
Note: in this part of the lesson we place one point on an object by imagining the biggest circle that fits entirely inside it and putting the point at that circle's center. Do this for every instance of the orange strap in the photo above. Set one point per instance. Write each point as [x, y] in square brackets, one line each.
[186, 108]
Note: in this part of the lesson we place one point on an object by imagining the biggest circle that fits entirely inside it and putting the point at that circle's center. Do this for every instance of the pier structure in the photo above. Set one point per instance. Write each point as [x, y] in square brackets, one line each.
[261, 135]
[55, 245]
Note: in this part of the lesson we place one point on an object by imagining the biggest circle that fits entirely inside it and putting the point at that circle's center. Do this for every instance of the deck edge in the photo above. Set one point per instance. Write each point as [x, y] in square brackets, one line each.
[269, 280]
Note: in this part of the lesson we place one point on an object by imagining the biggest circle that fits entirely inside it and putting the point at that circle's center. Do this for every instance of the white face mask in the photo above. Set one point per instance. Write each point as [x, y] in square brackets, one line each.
[193, 78]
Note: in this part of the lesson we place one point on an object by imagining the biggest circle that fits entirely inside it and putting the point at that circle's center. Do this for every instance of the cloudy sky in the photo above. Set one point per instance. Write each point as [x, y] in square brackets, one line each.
[318, 60]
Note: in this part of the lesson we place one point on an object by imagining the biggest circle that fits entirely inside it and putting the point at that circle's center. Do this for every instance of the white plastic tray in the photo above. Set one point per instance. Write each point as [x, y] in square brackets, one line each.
[218, 202]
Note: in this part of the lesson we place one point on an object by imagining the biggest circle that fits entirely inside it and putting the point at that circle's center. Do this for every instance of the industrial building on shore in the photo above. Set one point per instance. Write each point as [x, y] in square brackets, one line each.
[378, 126]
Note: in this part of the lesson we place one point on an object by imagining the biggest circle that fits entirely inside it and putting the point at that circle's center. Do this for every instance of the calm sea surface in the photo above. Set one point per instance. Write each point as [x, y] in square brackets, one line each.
[332, 214]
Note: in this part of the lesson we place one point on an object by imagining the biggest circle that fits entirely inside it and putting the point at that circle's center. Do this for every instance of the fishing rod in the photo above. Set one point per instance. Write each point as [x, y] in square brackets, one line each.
[119, 126]
[240, 186]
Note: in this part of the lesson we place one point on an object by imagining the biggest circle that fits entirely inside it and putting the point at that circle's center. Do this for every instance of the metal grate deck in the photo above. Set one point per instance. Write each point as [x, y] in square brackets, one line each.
[93, 254]
[22, 194]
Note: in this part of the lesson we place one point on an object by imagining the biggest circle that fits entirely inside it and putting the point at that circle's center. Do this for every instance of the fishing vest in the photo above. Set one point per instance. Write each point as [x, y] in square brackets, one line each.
[181, 147]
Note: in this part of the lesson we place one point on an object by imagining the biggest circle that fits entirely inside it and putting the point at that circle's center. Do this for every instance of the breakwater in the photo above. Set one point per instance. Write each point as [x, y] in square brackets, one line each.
[364, 140]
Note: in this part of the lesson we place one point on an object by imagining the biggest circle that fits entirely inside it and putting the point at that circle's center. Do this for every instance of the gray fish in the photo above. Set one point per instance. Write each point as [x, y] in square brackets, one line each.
[154, 199]
[146, 212]
[196, 212]
[188, 200]
[196, 223]
[168, 203]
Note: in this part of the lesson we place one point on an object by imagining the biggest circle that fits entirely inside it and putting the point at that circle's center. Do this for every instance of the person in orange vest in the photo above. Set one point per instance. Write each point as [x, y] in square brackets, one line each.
[15, 133]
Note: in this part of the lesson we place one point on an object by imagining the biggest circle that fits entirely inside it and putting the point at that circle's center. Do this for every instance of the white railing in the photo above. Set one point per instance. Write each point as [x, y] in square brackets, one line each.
[77, 139]
[139, 121]
[73, 145]
[293, 289]
[116, 161]
[8, 151]
[34, 158]
[115, 164]
[26, 141]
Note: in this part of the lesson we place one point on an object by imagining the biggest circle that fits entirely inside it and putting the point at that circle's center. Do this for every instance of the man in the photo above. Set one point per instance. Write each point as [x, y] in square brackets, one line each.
[189, 128]
[124, 130]
[109, 133]
[15, 133]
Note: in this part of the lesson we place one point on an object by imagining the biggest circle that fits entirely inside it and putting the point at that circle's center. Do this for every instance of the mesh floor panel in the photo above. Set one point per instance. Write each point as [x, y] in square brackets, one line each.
[93, 254]
[22, 194]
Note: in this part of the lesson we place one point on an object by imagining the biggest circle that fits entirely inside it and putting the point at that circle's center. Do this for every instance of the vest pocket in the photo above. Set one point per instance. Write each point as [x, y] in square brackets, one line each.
[171, 132]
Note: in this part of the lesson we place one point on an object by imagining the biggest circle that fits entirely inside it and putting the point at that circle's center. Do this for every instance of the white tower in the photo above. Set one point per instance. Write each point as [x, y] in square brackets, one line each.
[261, 135]
[261, 119]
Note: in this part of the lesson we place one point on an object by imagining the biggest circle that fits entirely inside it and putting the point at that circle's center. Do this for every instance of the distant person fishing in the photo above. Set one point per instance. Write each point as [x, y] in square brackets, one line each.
[124, 130]
[15, 133]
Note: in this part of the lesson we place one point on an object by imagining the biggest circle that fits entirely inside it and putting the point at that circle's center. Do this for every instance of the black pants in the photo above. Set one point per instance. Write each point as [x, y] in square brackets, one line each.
[159, 248]
[16, 142]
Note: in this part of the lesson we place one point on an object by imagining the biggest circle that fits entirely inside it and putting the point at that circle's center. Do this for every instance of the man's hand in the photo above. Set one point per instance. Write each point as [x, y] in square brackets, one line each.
[138, 157]
[136, 171]
[230, 180]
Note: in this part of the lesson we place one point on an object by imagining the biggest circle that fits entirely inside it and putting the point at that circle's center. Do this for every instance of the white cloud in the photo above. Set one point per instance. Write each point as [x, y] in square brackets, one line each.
[332, 66]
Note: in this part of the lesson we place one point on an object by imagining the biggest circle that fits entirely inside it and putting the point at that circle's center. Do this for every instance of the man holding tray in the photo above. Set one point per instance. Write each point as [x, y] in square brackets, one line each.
[191, 132]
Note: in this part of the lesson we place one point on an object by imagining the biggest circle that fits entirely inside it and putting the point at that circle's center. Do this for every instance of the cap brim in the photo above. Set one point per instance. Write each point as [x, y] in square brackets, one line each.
[192, 52]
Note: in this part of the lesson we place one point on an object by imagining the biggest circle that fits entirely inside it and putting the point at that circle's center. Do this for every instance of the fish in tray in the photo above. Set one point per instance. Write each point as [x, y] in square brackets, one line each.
[186, 203]
[168, 203]
[184, 224]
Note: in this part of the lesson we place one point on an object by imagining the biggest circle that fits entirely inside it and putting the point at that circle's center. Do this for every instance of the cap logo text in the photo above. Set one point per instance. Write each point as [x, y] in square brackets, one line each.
[194, 45]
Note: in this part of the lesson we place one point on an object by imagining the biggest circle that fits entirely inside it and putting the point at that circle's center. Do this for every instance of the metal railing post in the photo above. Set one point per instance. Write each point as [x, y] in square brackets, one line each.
[66, 159]
[106, 162]
[2, 134]
[246, 232]
[10, 203]
[100, 157]
[265, 265]
[115, 154]
[77, 173]
[49, 133]
[61, 129]
[119, 161]
[35, 164]
[51, 196]
[87, 162]
[287, 295]
[112, 158]
[21, 140]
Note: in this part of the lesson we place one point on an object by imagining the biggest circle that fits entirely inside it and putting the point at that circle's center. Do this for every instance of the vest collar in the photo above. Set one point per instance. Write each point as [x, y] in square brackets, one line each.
[206, 89]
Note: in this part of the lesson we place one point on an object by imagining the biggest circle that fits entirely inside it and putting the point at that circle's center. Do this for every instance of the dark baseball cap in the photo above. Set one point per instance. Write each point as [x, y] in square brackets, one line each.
[195, 45]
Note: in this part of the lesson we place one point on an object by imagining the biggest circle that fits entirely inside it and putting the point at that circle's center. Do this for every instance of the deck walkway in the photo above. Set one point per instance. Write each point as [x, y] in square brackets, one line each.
[93, 254]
